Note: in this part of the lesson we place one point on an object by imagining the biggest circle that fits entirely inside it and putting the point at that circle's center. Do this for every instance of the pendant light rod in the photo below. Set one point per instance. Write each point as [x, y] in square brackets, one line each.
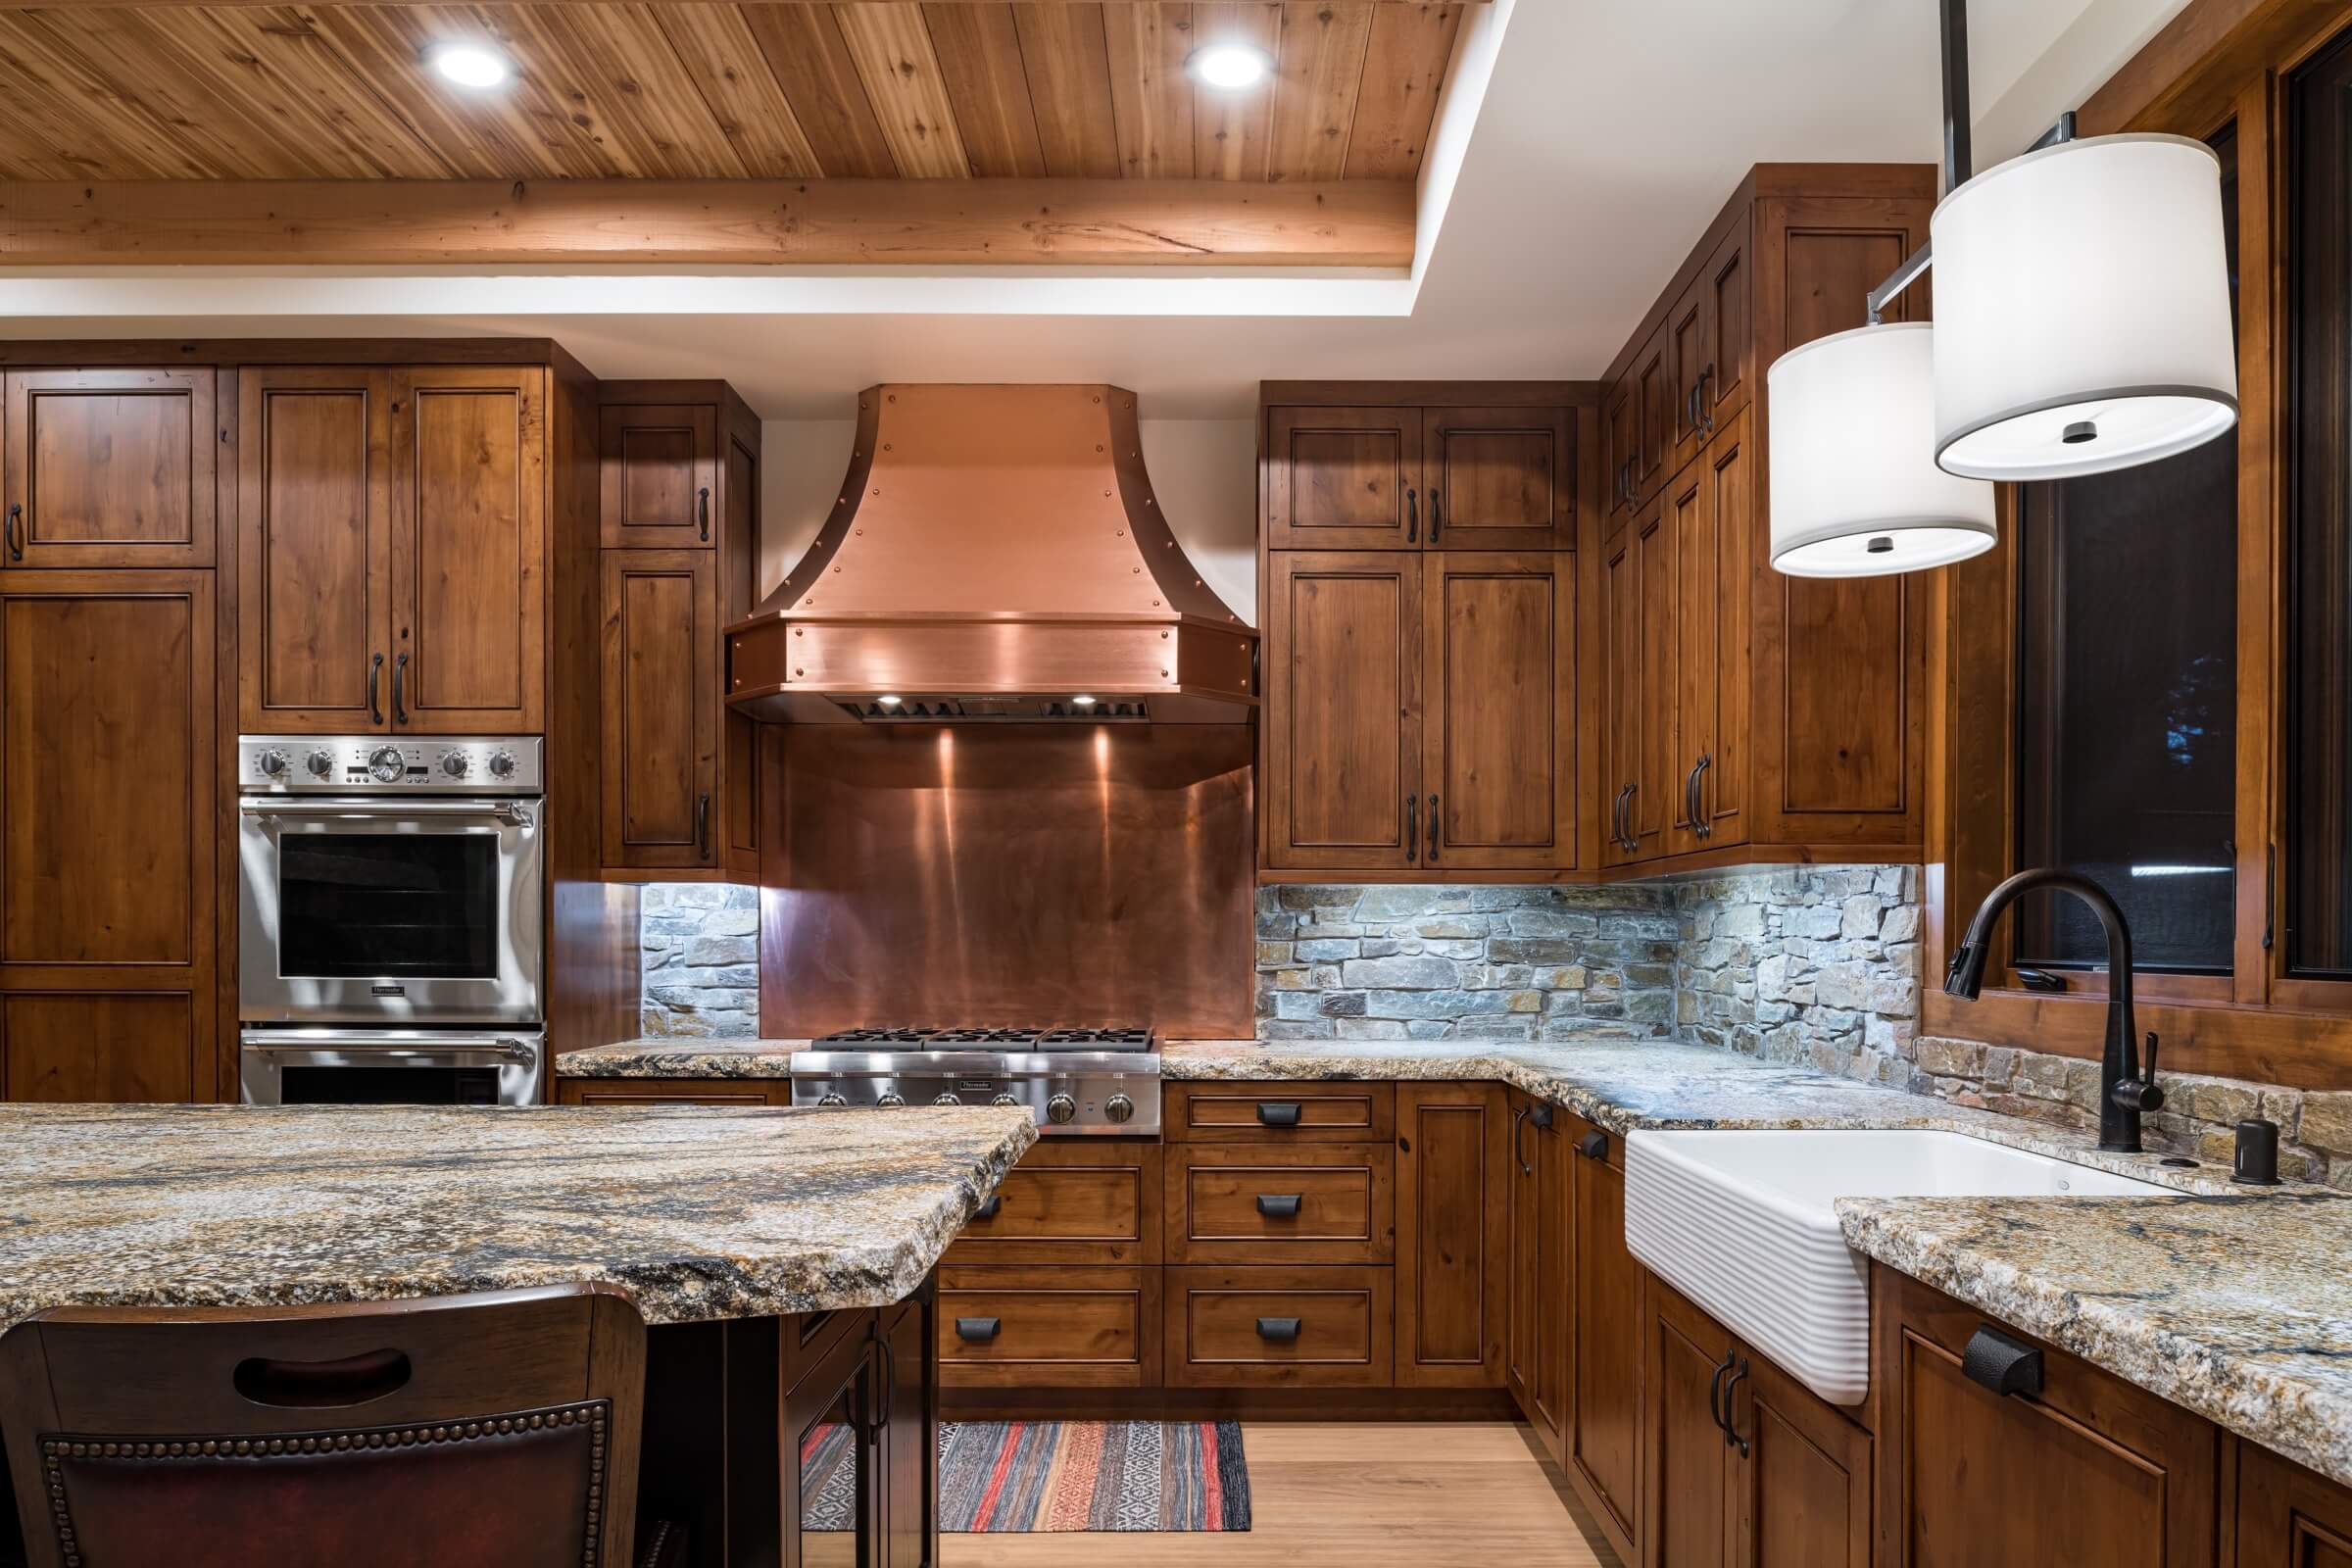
[1958, 160]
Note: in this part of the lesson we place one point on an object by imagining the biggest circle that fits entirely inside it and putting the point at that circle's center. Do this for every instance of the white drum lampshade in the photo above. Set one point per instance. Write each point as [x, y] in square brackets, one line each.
[1855, 490]
[2082, 306]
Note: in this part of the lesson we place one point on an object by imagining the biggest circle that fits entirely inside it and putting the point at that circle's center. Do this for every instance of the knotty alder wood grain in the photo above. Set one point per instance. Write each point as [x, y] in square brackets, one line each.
[716, 223]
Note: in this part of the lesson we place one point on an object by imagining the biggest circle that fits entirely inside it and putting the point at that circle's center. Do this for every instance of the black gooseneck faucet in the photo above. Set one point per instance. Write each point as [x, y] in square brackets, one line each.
[2125, 1090]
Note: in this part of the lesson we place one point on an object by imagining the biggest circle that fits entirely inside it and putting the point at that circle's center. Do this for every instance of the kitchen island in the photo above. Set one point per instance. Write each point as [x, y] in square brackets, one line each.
[749, 1239]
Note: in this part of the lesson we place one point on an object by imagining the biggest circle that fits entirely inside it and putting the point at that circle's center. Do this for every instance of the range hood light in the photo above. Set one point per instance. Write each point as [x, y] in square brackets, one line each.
[888, 702]
[1083, 702]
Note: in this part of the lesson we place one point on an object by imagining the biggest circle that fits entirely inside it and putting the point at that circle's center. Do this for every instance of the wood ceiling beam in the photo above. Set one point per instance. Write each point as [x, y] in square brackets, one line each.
[835, 222]
[109, 5]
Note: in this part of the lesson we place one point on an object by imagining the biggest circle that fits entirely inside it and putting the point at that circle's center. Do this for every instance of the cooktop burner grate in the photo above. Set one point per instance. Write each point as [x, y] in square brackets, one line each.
[1023, 1040]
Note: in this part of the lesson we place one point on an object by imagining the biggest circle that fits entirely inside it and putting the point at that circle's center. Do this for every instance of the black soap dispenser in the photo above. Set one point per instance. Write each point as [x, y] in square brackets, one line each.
[2256, 1153]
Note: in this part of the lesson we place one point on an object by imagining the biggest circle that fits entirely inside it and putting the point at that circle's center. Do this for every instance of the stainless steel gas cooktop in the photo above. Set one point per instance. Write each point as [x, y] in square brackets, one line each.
[1074, 1081]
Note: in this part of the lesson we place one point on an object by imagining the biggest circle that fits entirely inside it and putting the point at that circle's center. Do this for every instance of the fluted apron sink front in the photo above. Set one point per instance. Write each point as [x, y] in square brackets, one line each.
[1742, 1224]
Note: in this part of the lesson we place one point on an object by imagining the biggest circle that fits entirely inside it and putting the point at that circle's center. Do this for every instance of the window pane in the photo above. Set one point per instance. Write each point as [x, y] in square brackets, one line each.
[2317, 847]
[2128, 697]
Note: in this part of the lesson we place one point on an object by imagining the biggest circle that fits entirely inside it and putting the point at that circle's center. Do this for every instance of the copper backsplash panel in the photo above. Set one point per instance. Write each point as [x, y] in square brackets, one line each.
[1005, 875]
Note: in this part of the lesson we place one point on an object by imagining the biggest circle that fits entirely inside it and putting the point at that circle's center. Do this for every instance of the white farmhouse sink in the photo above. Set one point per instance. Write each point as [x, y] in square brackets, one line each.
[1742, 1223]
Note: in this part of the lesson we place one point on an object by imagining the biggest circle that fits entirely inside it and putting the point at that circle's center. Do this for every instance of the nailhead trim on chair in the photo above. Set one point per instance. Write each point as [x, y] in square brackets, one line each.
[57, 1448]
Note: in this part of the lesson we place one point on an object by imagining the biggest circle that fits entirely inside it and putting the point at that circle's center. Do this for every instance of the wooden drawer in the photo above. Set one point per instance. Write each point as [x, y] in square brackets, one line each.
[672, 1091]
[1048, 1326]
[1072, 1200]
[1279, 1327]
[1299, 1112]
[1271, 1204]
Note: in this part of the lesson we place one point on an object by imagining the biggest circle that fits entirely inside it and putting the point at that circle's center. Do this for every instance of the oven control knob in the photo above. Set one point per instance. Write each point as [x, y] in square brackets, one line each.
[1005, 1100]
[321, 763]
[1060, 1109]
[273, 764]
[830, 1098]
[457, 764]
[946, 1099]
[1118, 1108]
[386, 765]
[891, 1100]
[502, 765]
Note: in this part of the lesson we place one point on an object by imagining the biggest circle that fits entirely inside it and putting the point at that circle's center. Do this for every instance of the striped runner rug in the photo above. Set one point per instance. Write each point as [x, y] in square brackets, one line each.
[1017, 1476]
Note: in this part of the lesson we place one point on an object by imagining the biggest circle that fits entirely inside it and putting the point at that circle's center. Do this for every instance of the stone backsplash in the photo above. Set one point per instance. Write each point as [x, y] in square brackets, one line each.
[699, 945]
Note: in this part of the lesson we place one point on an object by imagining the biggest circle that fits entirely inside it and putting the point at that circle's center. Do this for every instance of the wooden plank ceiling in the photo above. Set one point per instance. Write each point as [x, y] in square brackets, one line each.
[1058, 91]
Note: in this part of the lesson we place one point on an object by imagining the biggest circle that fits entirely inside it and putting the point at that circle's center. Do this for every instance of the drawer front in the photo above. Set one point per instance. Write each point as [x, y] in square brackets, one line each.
[1297, 1112]
[1268, 1204]
[671, 1092]
[1046, 1327]
[1279, 1327]
[1075, 1201]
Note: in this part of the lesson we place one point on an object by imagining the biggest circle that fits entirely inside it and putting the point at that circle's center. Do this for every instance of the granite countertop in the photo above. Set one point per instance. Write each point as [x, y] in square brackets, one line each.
[657, 1057]
[695, 1212]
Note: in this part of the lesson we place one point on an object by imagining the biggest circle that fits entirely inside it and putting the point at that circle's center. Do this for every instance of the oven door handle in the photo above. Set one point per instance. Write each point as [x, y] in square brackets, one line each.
[515, 814]
[512, 1048]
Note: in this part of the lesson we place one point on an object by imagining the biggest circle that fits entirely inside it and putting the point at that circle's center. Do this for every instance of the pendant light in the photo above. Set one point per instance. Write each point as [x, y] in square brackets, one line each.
[2082, 295]
[1855, 487]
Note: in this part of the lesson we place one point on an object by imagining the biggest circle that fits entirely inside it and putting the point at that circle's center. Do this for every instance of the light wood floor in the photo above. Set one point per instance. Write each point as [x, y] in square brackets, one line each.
[1332, 1496]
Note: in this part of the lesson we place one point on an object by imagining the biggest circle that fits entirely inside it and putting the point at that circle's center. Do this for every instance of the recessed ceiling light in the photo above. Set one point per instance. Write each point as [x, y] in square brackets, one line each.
[1229, 67]
[470, 64]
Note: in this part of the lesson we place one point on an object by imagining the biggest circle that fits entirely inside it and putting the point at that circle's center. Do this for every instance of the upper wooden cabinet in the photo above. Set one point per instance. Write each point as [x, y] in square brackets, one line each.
[660, 475]
[1340, 737]
[109, 468]
[1453, 477]
[392, 550]
[661, 648]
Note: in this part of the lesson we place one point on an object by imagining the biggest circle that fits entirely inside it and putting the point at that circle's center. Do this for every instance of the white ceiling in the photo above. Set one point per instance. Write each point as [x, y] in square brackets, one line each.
[1608, 134]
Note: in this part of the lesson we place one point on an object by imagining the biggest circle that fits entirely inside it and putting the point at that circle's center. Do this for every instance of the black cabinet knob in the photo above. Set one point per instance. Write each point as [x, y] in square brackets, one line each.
[1278, 1329]
[1278, 1206]
[978, 1330]
[1277, 1112]
[1594, 1146]
[988, 1210]
[2005, 1365]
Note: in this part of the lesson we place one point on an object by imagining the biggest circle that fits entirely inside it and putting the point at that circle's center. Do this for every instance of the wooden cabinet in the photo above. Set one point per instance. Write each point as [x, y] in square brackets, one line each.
[660, 654]
[112, 467]
[109, 843]
[1708, 339]
[1266, 1203]
[1452, 1235]
[1454, 475]
[392, 539]
[659, 476]
[1687, 1358]
[1285, 1111]
[1500, 478]
[1606, 1392]
[1049, 1326]
[2288, 1517]
[1709, 512]
[1637, 740]
[624, 1092]
[905, 1436]
[1541, 1242]
[1420, 711]
[1636, 421]
[1279, 1327]
[1072, 1200]
[1343, 478]
[2090, 1470]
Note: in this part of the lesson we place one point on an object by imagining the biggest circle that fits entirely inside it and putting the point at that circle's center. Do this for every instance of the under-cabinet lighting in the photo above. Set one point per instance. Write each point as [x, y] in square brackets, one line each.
[2179, 870]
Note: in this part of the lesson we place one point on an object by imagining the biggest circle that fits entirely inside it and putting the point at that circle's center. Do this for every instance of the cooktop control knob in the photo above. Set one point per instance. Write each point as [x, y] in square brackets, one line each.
[457, 764]
[891, 1100]
[273, 764]
[1118, 1108]
[830, 1098]
[947, 1099]
[502, 765]
[386, 765]
[1005, 1100]
[1060, 1109]
[321, 763]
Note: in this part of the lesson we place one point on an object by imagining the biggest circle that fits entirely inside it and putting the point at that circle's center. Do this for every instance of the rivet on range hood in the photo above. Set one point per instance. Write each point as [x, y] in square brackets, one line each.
[996, 553]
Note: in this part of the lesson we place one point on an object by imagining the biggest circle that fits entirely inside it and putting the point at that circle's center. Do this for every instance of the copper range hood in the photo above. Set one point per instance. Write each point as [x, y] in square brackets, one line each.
[996, 555]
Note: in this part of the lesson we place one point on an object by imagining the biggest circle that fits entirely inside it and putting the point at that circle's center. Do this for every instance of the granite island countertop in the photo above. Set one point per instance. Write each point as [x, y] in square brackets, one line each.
[695, 1212]
[674, 1057]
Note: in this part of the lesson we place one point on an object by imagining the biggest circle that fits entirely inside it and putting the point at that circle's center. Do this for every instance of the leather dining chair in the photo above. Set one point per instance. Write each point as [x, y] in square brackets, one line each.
[498, 1429]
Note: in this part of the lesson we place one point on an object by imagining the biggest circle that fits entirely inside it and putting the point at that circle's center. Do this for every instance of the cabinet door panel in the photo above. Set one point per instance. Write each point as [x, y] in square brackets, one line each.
[314, 551]
[1687, 1356]
[1649, 810]
[1728, 372]
[1619, 690]
[1688, 331]
[1604, 1361]
[2288, 1517]
[111, 467]
[1452, 1210]
[1342, 732]
[107, 768]
[1730, 475]
[1620, 439]
[111, 1047]
[739, 565]
[469, 541]
[1691, 687]
[661, 646]
[1805, 1485]
[1501, 478]
[1344, 478]
[659, 476]
[1654, 401]
[908, 1439]
[1538, 1167]
[1497, 666]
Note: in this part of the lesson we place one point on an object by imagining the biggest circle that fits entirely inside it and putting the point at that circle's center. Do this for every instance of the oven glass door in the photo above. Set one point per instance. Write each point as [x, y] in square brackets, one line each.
[363, 911]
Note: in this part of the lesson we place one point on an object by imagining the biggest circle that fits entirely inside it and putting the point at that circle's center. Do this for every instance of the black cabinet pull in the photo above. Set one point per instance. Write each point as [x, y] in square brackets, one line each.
[2005, 1365]
[1594, 1144]
[1412, 828]
[1412, 516]
[1540, 1115]
[1691, 798]
[1706, 415]
[1277, 1112]
[1432, 800]
[1715, 1394]
[1633, 834]
[1617, 817]
[989, 1209]
[1278, 1329]
[701, 825]
[1730, 1434]
[1698, 797]
[1278, 1206]
[376, 681]
[978, 1330]
[1436, 513]
[703, 507]
[16, 514]
[400, 671]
